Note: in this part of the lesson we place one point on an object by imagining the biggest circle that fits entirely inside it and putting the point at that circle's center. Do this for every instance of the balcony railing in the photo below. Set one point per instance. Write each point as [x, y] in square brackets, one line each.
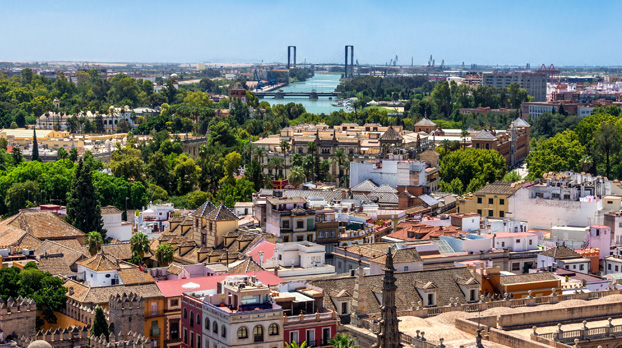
[302, 318]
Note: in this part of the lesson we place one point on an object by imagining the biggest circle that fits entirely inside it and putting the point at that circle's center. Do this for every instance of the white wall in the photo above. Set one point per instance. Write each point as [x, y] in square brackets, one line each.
[392, 173]
[469, 245]
[546, 213]
[92, 278]
[521, 245]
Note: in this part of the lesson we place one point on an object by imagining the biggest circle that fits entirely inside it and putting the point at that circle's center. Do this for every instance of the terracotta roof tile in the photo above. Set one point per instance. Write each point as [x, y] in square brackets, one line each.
[43, 225]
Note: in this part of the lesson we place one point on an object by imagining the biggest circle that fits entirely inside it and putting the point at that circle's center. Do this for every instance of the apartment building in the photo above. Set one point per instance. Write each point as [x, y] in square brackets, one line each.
[533, 82]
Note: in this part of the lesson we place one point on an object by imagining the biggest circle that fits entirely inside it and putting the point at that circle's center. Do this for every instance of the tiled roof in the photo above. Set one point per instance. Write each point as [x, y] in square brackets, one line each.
[499, 188]
[174, 269]
[108, 210]
[400, 256]
[55, 264]
[384, 188]
[446, 282]
[383, 198]
[421, 231]
[204, 209]
[265, 246]
[53, 247]
[429, 200]
[244, 266]
[526, 278]
[101, 262]
[483, 135]
[222, 213]
[43, 225]
[365, 186]
[101, 294]
[133, 276]
[326, 195]
[519, 122]
[391, 135]
[174, 288]
[13, 236]
[561, 252]
[121, 251]
[425, 122]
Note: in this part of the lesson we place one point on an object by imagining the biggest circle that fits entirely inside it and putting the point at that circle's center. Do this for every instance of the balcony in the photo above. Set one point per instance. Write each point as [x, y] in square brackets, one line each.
[308, 318]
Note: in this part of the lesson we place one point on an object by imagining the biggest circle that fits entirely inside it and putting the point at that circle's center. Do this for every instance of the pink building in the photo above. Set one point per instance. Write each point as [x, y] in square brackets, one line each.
[599, 237]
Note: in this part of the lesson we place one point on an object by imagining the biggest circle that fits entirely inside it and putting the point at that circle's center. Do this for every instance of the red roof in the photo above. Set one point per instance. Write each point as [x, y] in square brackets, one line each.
[173, 288]
[266, 247]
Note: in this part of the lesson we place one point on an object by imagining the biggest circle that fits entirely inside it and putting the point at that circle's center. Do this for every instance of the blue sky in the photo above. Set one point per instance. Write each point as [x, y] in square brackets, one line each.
[483, 32]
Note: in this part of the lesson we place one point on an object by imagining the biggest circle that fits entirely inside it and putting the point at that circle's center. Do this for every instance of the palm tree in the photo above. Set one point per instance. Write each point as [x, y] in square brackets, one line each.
[94, 242]
[312, 149]
[296, 176]
[164, 254]
[140, 243]
[275, 163]
[260, 152]
[446, 144]
[340, 159]
[295, 344]
[586, 163]
[285, 149]
[465, 133]
[343, 341]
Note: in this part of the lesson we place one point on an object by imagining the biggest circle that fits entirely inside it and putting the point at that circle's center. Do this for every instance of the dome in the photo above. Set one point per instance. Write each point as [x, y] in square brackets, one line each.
[39, 344]
[43, 117]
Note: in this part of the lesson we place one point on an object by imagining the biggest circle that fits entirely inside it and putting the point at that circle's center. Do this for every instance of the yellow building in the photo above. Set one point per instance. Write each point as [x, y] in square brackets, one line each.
[489, 201]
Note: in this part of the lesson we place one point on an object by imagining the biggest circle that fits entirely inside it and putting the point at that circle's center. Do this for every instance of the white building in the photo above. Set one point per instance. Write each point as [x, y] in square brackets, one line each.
[114, 225]
[104, 270]
[298, 259]
[388, 172]
[243, 208]
[470, 243]
[241, 313]
[514, 241]
[563, 257]
[155, 219]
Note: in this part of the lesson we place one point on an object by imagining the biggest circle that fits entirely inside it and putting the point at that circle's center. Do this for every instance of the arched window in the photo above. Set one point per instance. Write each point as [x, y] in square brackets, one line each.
[215, 328]
[206, 323]
[273, 329]
[191, 319]
[243, 332]
[223, 331]
[198, 319]
[258, 333]
[185, 313]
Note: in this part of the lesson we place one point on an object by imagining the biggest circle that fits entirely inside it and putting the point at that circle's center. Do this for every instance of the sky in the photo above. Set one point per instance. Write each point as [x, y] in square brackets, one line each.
[248, 31]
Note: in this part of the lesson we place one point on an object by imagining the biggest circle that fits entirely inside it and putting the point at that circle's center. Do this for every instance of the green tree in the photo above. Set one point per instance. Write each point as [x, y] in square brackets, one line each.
[94, 242]
[3, 144]
[468, 165]
[186, 174]
[285, 147]
[127, 163]
[35, 147]
[17, 155]
[46, 290]
[341, 160]
[559, 153]
[21, 195]
[312, 149]
[139, 243]
[512, 176]
[254, 174]
[62, 153]
[296, 176]
[343, 340]
[196, 198]
[83, 208]
[164, 254]
[100, 324]
[295, 344]
[607, 143]
[73, 154]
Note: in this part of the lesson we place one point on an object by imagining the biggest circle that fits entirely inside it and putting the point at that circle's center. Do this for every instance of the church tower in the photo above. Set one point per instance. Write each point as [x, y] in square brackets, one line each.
[389, 335]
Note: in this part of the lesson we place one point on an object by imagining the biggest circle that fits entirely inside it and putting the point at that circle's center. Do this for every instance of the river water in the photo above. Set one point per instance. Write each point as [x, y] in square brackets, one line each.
[319, 82]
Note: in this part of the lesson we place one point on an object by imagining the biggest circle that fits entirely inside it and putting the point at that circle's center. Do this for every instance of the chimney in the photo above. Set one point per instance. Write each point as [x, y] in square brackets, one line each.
[261, 258]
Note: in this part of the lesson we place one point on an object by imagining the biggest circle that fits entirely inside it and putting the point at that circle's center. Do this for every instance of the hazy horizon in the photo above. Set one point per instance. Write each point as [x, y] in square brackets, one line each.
[564, 33]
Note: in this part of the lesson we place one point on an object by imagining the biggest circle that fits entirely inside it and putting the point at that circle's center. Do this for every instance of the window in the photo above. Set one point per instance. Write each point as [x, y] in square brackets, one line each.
[501, 201]
[473, 295]
[490, 201]
[431, 299]
[192, 340]
[243, 332]
[258, 333]
[501, 213]
[616, 268]
[405, 268]
[597, 232]
[344, 308]
[300, 224]
[206, 323]
[174, 303]
[518, 241]
[155, 330]
[108, 275]
[191, 319]
[531, 242]
[185, 313]
[273, 329]
[223, 331]
[479, 212]
[154, 309]
[490, 213]
[215, 328]
[609, 266]
[479, 200]
[186, 336]
[285, 223]
[293, 336]
[174, 327]
[516, 266]
[198, 319]
[581, 267]
[503, 244]
[325, 336]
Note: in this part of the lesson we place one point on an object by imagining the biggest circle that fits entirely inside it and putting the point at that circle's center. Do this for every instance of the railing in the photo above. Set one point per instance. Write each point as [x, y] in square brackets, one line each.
[581, 334]
[301, 318]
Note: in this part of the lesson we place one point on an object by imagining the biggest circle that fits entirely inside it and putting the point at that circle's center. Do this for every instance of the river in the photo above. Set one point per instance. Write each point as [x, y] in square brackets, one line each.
[319, 82]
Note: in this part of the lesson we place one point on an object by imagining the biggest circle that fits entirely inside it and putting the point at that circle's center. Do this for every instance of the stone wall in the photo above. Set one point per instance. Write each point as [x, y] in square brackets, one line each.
[18, 317]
